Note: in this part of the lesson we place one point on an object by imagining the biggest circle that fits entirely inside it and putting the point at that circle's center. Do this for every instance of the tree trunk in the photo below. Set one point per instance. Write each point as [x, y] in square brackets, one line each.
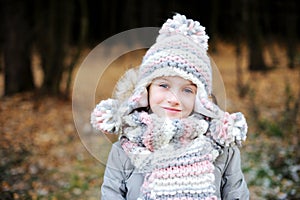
[214, 25]
[291, 33]
[53, 47]
[81, 42]
[254, 35]
[53, 30]
[16, 48]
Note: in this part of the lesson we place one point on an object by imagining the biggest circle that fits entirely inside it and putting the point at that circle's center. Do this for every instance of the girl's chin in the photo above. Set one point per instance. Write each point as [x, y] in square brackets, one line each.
[172, 116]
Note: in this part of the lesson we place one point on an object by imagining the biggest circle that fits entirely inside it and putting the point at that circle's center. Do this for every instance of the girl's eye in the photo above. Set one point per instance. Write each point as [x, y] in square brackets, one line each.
[188, 90]
[163, 85]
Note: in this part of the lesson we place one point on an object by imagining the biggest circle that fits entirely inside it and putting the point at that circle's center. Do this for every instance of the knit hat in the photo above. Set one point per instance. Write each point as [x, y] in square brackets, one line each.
[180, 50]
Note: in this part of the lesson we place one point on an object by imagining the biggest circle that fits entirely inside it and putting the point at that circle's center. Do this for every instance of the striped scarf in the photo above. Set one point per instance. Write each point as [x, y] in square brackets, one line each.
[175, 156]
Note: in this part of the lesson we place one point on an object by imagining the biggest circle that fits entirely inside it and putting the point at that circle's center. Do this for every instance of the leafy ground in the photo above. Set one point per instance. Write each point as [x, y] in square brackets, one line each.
[42, 157]
[41, 154]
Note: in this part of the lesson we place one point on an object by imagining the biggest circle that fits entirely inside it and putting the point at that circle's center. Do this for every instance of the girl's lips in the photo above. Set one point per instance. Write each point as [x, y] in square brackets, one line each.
[171, 109]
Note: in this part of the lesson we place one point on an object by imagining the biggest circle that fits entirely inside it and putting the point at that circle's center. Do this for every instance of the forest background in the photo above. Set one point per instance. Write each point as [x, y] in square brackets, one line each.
[254, 43]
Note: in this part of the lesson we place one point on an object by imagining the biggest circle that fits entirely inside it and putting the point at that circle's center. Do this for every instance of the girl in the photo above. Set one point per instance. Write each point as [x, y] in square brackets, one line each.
[175, 143]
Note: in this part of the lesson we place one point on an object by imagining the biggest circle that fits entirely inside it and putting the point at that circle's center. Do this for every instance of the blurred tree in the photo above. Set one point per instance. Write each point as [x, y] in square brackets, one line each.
[48, 27]
[53, 20]
[254, 36]
[54, 37]
[213, 26]
[269, 37]
[239, 31]
[16, 47]
[291, 31]
[83, 31]
[60, 28]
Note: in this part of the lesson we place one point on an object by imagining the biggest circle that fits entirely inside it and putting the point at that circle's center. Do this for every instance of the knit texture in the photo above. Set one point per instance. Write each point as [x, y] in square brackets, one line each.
[180, 50]
[175, 156]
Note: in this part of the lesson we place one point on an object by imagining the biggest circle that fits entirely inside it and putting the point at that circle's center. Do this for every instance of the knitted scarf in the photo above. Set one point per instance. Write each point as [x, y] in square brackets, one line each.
[175, 155]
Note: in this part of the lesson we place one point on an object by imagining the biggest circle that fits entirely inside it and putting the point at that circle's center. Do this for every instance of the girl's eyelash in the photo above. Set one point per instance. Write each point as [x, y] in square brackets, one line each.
[164, 85]
[188, 90]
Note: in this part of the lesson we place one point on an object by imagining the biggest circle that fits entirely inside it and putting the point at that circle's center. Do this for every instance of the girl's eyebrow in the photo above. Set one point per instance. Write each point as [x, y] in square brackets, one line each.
[163, 78]
[160, 79]
[191, 84]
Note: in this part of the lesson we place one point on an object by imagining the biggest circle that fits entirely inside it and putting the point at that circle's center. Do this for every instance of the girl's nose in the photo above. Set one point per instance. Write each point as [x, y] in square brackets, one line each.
[172, 98]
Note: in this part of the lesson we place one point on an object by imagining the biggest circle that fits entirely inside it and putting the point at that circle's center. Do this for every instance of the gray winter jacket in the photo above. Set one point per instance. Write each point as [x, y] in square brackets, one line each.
[121, 181]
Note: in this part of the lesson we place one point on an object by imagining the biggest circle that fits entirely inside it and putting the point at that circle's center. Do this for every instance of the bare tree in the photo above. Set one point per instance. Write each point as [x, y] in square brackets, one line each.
[53, 30]
[16, 47]
[55, 41]
[291, 32]
[254, 36]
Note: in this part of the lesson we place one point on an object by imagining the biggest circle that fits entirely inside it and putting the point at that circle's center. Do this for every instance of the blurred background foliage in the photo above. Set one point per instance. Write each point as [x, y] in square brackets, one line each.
[55, 30]
[55, 34]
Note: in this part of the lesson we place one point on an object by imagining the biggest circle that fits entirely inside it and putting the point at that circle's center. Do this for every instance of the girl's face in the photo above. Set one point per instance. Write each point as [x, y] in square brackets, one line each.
[172, 97]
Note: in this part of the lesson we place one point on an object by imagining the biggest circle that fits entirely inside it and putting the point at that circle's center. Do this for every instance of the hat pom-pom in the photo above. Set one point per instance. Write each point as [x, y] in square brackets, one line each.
[230, 130]
[187, 27]
[105, 116]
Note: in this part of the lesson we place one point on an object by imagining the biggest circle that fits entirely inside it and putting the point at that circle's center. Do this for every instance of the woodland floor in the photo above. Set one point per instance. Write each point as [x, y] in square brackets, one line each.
[43, 157]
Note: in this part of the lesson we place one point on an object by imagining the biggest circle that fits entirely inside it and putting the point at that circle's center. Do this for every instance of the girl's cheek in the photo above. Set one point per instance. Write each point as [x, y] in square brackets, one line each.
[156, 97]
[189, 99]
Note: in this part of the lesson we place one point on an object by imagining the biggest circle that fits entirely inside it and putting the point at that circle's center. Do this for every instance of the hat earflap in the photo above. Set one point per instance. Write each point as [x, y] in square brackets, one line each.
[225, 128]
[139, 99]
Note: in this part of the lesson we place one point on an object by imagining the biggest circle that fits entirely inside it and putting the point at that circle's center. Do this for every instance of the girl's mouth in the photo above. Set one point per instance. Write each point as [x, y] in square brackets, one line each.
[173, 110]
